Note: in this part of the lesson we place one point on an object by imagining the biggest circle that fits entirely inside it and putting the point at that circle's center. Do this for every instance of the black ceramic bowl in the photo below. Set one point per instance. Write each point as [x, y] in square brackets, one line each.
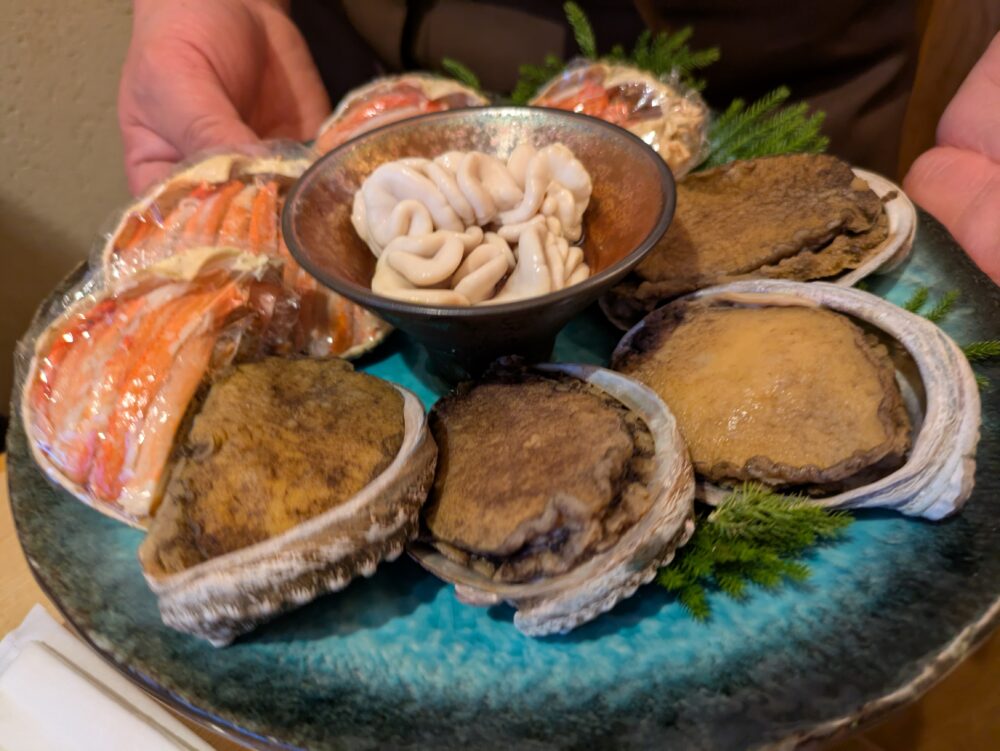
[631, 206]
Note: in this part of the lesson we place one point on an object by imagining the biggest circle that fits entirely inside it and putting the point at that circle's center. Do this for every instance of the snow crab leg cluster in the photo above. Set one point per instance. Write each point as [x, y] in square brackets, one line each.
[236, 201]
[111, 379]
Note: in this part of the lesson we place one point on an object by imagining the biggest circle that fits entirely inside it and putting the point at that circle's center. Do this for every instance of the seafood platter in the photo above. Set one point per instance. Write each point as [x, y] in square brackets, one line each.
[263, 503]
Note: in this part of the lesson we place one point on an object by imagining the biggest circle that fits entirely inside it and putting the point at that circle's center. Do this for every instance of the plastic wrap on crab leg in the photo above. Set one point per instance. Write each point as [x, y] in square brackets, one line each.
[670, 117]
[231, 199]
[234, 199]
[390, 99]
[110, 379]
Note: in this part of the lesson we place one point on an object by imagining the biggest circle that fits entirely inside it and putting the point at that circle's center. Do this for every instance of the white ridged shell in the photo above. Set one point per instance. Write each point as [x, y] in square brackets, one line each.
[902, 216]
[226, 596]
[561, 603]
[938, 474]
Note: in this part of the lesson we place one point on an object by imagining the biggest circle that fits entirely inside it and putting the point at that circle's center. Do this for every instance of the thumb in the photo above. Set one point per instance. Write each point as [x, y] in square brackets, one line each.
[183, 101]
[212, 129]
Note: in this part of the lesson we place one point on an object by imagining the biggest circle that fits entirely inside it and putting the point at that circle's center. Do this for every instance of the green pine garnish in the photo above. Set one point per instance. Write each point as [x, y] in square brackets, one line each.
[980, 351]
[917, 300]
[754, 536]
[974, 351]
[582, 30]
[942, 307]
[665, 52]
[658, 54]
[764, 128]
[985, 350]
[461, 73]
[533, 77]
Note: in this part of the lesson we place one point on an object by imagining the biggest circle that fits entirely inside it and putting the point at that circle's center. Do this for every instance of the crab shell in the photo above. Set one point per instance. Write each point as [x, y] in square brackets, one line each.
[226, 596]
[42, 346]
[896, 248]
[214, 169]
[170, 268]
[434, 87]
[218, 169]
[560, 603]
[678, 134]
[941, 397]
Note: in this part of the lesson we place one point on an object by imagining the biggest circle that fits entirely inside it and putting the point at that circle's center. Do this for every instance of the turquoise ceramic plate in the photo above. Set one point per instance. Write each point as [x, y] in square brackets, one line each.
[396, 661]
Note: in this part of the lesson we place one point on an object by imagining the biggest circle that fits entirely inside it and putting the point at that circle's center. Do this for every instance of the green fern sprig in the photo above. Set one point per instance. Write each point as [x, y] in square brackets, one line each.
[738, 118]
[984, 350]
[980, 351]
[533, 77]
[670, 53]
[921, 296]
[917, 300]
[764, 128]
[665, 53]
[974, 351]
[752, 537]
[461, 73]
[658, 54]
[583, 32]
[942, 307]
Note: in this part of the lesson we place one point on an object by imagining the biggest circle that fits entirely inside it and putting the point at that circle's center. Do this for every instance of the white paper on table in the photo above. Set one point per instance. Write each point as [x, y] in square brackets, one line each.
[56, 694]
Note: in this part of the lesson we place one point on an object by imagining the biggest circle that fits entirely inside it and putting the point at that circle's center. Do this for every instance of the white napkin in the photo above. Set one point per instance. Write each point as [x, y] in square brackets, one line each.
[56, 694]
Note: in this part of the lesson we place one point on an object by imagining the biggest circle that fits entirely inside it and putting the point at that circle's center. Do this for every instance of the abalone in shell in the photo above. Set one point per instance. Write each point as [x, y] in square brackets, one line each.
[537, 472]
[796, 216]
[294, 476]
[791, 396]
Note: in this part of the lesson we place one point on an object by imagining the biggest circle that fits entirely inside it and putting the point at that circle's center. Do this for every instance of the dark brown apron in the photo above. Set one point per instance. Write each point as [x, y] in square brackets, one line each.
[854, 59]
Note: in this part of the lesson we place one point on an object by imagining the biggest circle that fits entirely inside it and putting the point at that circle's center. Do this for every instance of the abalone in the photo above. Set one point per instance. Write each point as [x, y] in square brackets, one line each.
[811, 395]
[798, 216]
[559, 489]
[790, 396]
[293, 477]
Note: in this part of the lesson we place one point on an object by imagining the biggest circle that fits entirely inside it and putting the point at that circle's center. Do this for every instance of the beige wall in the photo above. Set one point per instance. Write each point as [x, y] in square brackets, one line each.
[59, 148]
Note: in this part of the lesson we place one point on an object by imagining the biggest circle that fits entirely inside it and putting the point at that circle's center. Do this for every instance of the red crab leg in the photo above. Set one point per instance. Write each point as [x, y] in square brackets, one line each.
[262, 234]
[236, 223]
[156, 343]
[203, 226]
[42, 394]
[86, 387]
[156, 437]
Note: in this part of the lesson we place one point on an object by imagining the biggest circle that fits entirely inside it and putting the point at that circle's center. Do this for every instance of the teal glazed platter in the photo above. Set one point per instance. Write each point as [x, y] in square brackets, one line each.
[397, 662]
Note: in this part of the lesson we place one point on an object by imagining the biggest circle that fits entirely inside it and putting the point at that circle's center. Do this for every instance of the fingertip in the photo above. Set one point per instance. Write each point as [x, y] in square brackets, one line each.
[212, 131]
[143, 176]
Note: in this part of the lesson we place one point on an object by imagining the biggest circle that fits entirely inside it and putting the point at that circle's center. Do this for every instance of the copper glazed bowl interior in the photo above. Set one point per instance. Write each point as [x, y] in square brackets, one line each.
[630, 209]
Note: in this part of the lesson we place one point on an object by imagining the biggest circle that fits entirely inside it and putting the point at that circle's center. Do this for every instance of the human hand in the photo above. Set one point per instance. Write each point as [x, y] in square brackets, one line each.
[958, 181]
[206, 73]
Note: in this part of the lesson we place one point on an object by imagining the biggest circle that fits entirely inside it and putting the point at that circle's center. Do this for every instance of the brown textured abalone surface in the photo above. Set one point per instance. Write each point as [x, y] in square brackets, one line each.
[797, 216]
[789, 396]
[534, 474]
[274, 444]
